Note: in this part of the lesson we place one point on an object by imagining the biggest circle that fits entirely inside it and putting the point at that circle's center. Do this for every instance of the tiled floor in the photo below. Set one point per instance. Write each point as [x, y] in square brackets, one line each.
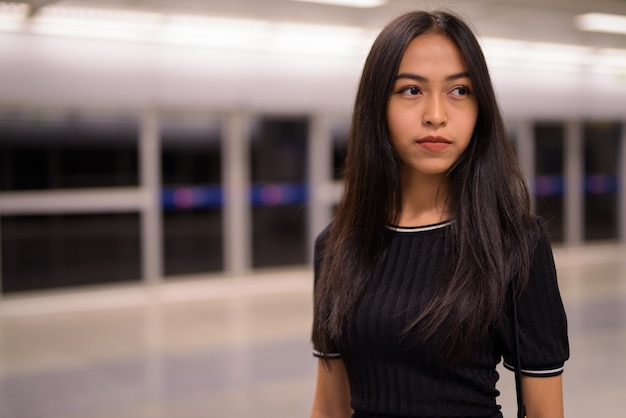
[240, 348]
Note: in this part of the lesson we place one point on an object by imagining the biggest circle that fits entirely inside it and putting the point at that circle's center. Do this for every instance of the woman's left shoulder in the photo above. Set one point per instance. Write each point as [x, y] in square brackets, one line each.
[539, 231]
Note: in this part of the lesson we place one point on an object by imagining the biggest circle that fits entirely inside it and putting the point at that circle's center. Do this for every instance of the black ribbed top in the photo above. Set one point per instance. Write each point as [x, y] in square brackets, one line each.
[392, 375]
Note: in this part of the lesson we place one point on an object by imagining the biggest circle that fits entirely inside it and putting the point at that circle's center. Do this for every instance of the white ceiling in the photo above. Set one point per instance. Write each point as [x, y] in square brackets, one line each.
[534, 20]
[66, 72]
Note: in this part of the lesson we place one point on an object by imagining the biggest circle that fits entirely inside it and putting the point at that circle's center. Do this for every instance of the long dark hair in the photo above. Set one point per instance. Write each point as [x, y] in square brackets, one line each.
[491, 238]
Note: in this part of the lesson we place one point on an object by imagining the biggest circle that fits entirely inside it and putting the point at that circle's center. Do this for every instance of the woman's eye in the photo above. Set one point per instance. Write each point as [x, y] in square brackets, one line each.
[410, 91]
[460, 91]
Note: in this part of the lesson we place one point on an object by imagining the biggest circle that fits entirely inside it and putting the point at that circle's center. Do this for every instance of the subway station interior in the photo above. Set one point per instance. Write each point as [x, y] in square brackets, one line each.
[165, 167]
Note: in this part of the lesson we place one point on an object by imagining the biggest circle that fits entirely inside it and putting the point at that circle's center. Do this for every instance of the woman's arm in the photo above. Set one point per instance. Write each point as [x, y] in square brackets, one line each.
[543, 396]
[332, 392]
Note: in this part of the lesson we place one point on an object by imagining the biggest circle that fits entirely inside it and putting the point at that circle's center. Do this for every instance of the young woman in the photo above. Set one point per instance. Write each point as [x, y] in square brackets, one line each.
[434, 229]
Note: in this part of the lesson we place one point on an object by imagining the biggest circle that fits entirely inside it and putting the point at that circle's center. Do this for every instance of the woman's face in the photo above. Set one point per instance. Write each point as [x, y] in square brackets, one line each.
[432, 110]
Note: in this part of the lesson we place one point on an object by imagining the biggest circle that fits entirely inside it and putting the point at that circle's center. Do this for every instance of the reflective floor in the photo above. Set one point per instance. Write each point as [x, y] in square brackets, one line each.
[240, 347]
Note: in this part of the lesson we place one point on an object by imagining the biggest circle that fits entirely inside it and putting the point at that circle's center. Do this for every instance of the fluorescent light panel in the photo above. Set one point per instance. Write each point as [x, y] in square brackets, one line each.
[601, 22]
[349, 3]
[12, 15]
[507, 53]
[190, 30]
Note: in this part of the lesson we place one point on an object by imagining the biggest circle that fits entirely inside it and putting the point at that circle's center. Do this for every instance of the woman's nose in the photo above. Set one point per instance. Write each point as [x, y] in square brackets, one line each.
[435, 112]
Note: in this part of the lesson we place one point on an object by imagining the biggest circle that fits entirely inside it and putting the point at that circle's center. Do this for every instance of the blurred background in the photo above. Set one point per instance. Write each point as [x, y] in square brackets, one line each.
[165, 167]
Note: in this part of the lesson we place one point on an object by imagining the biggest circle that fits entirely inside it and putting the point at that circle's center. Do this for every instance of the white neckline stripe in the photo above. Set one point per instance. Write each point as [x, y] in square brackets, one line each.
[418, 228]
[551, 371]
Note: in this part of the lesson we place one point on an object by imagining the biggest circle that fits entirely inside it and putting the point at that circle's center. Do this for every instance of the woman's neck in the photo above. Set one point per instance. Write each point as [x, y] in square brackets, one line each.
[424, 200]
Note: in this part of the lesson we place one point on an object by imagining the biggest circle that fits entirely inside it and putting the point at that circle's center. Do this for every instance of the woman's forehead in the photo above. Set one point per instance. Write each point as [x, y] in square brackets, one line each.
[432, 55]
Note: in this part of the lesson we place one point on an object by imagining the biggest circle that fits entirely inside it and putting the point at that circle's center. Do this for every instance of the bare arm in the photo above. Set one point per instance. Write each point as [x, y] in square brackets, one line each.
[543, 396]
[332, 392]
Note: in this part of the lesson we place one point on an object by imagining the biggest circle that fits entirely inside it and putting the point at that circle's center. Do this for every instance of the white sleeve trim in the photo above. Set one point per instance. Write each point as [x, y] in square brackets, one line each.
[558, 370]
[319, 354]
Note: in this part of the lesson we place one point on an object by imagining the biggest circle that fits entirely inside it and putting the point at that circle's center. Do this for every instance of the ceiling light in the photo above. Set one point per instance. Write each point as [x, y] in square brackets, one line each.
[349, 3]
[610, 61]
[189, 30]
[12, 16]
[601, 22]
[107, 24]
[537, 55]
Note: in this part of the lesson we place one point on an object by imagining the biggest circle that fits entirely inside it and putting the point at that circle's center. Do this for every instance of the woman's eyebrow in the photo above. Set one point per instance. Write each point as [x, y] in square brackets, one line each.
[417, 77]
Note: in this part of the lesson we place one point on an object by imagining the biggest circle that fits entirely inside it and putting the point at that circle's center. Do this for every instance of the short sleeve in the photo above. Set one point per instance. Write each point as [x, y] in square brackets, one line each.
[320, 243]
[542, 322]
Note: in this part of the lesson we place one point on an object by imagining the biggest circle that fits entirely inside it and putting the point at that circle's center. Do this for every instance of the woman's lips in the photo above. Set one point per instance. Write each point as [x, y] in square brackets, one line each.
[434, 143]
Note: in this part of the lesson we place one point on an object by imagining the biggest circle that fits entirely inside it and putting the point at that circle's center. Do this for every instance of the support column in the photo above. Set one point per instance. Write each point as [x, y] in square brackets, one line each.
[319, 177]
[151, 212]
[574, 187]
[526, 154]
[237, 233]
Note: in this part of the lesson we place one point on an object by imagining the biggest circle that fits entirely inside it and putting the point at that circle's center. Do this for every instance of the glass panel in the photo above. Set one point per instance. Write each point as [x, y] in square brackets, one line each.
[193, 241]
[42, 252]
[67, 151]
[549, 181]
[279, 164]
[601, 159]
[192, 195]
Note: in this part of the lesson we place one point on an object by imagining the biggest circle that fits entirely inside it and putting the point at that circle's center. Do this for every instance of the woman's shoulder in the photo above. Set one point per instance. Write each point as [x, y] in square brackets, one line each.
[322, 236]
[540, 230]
